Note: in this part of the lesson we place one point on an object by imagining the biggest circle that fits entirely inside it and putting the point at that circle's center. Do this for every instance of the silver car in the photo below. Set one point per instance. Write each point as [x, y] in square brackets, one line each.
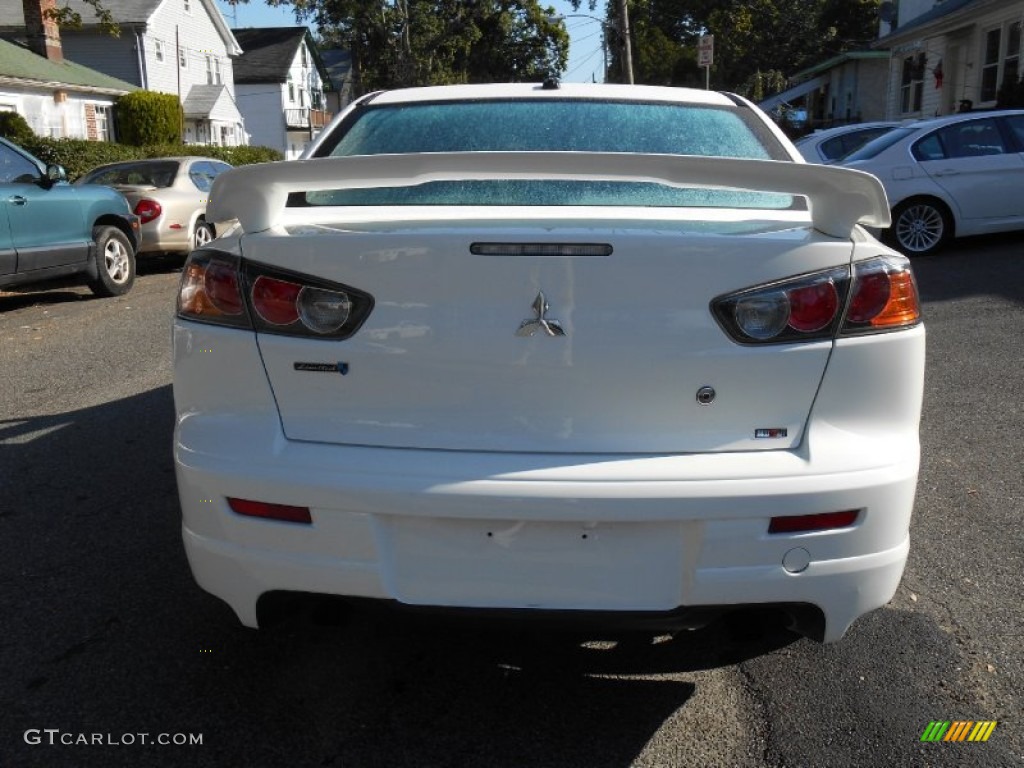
[169, 194]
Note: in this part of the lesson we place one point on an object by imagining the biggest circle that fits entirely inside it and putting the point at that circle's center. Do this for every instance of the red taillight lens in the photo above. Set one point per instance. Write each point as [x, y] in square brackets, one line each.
[812, 307]
[805, 523]
[275, 300]
[221, 283]
[147, 209]
[283, 512]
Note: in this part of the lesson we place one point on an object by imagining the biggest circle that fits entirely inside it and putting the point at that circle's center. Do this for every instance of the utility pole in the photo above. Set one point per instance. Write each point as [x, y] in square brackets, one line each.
[627, 48]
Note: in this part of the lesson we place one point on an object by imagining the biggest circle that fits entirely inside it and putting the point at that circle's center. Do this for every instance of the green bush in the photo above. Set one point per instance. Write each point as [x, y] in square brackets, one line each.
[146, 117]
[79, 156]
[14, 127]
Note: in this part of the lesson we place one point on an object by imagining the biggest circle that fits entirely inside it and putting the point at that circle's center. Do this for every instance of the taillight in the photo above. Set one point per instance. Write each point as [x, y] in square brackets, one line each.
[883, 296]
[147, 209]
[222, 289]
[804, 308]
[880, 296]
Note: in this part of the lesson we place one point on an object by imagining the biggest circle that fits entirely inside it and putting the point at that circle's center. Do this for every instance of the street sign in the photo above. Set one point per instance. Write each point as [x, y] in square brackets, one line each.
[705, 50]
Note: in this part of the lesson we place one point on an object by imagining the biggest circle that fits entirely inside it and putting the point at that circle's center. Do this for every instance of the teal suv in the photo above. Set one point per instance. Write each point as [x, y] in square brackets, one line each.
[50, 229]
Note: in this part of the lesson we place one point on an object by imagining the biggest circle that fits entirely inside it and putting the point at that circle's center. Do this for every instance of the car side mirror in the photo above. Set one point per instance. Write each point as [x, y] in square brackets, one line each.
[55, 173]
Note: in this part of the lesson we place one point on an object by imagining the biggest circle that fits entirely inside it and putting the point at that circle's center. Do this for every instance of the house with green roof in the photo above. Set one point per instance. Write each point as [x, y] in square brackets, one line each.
[58, 98]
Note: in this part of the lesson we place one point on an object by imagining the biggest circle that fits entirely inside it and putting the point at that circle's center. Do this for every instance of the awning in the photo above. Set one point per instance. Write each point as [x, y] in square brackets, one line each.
[792, 94]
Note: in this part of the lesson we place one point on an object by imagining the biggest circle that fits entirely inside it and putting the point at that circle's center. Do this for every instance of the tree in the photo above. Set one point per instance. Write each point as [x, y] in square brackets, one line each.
[396, 43]
[751, 37]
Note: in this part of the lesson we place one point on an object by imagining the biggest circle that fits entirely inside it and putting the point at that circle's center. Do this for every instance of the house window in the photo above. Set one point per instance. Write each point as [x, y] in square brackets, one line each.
[182, 58]
[104, 123]
[1011, 59]
[990, 65]
[912, 83]
[291, 89]
[216, 71]
[302, 97]
[209, 70]
[158, 49]
[305, 57]
[1000, 60]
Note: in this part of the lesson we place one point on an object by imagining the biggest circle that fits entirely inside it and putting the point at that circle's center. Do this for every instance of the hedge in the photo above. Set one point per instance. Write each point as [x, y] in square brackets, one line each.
[79, 156]
[148, 117]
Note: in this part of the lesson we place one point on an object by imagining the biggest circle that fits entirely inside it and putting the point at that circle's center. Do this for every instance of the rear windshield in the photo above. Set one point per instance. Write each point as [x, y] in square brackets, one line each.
[158, 174]
[878, 146]
[551, 125]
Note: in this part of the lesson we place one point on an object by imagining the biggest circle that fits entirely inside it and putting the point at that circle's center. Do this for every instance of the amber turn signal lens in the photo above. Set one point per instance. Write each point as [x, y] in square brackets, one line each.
[903, 307]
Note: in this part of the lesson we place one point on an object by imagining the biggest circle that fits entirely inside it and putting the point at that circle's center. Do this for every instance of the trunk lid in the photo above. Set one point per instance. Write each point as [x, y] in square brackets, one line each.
[441, 362]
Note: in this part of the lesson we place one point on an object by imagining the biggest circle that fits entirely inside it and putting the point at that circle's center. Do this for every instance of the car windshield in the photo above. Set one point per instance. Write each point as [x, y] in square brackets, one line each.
[158, 174]
[545, 125]
[876, 146]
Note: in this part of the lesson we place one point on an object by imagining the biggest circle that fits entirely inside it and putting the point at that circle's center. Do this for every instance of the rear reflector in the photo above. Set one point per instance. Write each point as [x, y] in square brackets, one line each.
[804, 523]
[267, 511]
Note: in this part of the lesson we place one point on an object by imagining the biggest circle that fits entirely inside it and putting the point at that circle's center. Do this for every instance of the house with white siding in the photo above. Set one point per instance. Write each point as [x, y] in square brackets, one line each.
[932, 57]
[182, 47]
[951, 55]
[57, 97]
[281, 85]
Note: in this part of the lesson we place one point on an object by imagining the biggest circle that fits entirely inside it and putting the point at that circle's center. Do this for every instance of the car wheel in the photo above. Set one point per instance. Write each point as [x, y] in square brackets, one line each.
[204, 234]
[920, 226]
[115, 262]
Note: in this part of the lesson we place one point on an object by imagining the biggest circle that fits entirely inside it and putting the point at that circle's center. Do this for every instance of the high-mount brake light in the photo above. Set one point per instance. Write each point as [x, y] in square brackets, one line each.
[879, 296]
[222, 289]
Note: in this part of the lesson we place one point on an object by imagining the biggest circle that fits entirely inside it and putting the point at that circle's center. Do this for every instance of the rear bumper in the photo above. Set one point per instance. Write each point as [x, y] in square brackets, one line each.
[582, 533]
[550, 532]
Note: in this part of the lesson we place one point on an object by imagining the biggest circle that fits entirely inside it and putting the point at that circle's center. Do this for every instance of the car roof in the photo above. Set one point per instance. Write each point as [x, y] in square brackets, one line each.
[935, 122]
[604, 91]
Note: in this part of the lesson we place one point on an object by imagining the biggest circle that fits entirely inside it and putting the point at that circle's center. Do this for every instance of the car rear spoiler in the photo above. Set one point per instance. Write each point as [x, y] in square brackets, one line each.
[839, 197]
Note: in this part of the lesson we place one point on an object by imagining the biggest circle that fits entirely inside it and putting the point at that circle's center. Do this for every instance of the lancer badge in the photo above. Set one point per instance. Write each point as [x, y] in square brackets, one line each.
[540, 322]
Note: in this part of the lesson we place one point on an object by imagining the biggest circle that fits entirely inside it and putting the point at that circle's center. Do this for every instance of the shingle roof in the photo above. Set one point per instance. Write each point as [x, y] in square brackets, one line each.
[123, 11]
[22, 64]
[202, 99]
[267, 53]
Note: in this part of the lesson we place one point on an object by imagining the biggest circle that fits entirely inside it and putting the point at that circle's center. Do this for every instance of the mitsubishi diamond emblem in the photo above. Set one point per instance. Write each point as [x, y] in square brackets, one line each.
[540, 323]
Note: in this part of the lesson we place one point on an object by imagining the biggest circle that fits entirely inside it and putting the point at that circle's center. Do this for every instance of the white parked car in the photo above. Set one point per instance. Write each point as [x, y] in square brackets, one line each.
[833, 144]
[949, 177]
[550, 349]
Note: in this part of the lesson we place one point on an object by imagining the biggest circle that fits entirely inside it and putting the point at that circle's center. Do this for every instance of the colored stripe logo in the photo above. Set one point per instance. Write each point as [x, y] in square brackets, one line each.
[958, 730]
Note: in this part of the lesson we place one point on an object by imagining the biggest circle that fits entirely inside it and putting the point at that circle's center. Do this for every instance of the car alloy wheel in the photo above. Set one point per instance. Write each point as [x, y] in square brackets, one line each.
[203, 235]
[919, 227]
[116, 261]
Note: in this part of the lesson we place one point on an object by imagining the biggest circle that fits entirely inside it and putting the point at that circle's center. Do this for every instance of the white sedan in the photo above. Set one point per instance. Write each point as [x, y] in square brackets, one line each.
[949, 177]
[586, 350]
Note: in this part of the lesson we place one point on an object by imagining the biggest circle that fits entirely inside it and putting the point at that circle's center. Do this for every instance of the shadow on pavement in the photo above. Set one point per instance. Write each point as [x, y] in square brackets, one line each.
[105, 632]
